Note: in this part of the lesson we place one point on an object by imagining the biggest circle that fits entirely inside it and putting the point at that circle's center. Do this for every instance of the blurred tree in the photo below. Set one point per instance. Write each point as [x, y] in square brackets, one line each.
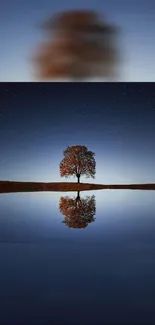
[78, 161]
[78, 212]
[80, 46]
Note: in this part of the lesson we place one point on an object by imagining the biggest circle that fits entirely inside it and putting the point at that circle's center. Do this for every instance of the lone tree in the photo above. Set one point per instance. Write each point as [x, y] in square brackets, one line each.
[77, 161]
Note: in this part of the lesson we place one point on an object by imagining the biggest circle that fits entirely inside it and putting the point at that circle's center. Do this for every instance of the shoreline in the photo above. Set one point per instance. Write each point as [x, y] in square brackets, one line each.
[14, 187]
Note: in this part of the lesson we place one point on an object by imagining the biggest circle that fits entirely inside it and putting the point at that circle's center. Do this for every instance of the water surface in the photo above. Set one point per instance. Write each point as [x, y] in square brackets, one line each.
[102, 273]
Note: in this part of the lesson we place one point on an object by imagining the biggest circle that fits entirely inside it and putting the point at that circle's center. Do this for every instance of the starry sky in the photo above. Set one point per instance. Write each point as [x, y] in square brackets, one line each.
[115, 120]
[20, 34]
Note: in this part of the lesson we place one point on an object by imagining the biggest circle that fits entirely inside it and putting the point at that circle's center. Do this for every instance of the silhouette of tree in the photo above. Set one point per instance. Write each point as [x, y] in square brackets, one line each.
[80, 45]
[78, 161]
[78, 212]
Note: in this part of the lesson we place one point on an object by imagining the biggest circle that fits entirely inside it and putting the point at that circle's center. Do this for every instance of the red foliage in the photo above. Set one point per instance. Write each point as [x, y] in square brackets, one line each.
[78, 161]
[77, 212]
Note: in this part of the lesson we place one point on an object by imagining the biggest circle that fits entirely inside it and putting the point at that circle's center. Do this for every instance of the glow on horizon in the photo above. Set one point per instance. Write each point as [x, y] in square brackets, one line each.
[112, 167]
[107, 172]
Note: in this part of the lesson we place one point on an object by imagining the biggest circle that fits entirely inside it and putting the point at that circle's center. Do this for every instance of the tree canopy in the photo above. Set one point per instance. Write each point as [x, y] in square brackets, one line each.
[78, 161]
[78, 213]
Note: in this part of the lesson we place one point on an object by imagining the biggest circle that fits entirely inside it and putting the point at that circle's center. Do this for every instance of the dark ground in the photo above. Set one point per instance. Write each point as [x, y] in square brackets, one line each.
[11, 186]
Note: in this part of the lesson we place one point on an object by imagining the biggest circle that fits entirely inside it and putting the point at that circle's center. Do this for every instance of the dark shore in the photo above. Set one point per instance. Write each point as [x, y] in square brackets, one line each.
[12, 187]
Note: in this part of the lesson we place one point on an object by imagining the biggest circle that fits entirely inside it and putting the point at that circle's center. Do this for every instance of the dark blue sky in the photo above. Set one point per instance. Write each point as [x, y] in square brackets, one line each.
[116, 121]
[19, 34]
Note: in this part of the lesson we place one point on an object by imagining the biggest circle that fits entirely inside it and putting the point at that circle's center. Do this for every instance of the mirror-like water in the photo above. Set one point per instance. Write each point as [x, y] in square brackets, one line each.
[86, 259]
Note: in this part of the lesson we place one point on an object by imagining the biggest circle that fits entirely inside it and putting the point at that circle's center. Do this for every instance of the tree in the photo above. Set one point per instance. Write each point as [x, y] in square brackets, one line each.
[80, 45]
[77, 161]
[78, 213]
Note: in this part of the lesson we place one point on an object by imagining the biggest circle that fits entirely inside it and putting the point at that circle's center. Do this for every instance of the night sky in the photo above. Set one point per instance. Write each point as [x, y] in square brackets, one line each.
[20, 34]
[116, 121]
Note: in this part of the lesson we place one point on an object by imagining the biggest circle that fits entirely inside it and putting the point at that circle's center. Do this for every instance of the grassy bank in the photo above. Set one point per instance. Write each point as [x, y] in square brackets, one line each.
[10, 187]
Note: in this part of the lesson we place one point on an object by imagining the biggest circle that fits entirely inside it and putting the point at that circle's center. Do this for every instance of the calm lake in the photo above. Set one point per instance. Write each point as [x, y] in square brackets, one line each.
[54, 272]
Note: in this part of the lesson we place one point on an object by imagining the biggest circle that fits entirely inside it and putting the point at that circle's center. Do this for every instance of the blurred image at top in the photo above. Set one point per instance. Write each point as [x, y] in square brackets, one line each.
[77, 40]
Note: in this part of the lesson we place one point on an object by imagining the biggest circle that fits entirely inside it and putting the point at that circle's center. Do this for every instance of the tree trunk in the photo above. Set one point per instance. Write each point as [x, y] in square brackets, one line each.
[78, 177]
[78, 196]
[78, 199]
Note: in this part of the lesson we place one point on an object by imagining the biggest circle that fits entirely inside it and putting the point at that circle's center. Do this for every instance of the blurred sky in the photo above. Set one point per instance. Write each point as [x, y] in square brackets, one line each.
[19, 34]
[115, 120]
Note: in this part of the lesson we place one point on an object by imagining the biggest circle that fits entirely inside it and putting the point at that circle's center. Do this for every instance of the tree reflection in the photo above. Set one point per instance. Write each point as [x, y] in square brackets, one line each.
[78, 212]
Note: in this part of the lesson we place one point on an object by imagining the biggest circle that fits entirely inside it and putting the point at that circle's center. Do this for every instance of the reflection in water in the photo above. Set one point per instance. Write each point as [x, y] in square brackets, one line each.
[102, 274]
[78, 212]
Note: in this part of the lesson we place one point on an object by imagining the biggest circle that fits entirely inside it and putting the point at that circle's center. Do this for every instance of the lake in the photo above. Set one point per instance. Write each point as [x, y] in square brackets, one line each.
[77, 260]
